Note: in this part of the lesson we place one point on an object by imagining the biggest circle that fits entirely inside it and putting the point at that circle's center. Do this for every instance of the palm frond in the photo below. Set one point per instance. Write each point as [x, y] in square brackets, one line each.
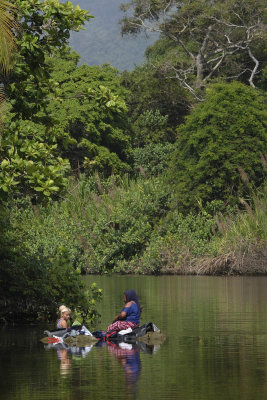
[8, 27]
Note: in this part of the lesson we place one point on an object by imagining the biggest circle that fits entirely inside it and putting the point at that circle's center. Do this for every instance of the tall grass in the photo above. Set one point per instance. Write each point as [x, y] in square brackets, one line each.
[242, 246]
[249, 226]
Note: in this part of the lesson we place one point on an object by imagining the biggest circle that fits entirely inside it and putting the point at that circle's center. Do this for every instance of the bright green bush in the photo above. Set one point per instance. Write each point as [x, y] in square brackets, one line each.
[219, 148]
[91, 115]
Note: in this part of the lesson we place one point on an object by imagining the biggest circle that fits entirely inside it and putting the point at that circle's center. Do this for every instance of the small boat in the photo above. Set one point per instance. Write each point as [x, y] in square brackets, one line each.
[147, 333]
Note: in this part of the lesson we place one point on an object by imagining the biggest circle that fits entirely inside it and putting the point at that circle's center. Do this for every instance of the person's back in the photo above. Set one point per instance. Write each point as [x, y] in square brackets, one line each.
[132, 313]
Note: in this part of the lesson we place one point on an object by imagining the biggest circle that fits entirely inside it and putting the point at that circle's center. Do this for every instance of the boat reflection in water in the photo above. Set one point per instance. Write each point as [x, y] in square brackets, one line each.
[128, 355]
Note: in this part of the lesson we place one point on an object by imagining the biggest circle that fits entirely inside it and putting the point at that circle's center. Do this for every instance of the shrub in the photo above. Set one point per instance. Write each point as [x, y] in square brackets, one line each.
[153, 159]
[219, 148]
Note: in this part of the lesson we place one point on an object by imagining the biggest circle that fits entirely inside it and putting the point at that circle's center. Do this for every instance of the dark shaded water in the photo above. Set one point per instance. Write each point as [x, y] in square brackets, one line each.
[216, 346]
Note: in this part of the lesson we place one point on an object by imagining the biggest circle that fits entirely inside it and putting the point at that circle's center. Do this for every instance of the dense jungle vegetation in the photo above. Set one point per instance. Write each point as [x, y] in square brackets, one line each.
[157, 170]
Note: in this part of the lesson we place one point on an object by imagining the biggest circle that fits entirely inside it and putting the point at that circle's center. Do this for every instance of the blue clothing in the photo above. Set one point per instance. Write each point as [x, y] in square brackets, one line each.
[132, 296]
[132, 313]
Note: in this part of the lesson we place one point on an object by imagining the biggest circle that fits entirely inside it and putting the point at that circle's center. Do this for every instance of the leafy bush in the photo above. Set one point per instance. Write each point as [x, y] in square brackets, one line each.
[90, 111]
[150, 127]
[153, 159]
[30, 163]
[213, 158]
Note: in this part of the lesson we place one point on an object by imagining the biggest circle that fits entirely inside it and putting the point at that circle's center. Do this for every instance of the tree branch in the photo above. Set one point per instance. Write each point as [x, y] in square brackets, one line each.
[254, 71]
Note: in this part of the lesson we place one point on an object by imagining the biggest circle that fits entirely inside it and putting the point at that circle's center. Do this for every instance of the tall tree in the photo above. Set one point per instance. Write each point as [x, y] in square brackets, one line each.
[211, 38]
[8, 27]
[91, 114]
[29, 160]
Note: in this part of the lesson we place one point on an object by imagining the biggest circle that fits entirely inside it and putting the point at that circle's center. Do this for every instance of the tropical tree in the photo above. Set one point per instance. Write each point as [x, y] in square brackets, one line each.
[208, 38]
[8, 27]
[91, 114]
[29, 159]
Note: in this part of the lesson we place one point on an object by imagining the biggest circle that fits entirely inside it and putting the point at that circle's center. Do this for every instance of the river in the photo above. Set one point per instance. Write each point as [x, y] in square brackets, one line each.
[215, 347]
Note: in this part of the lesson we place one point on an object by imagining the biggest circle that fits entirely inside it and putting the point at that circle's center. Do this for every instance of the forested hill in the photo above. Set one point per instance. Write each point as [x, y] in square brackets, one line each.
[101, 42]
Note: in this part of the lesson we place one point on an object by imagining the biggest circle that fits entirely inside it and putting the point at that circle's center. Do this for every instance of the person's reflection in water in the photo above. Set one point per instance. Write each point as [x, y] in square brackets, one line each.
[129, 357]
[65, 361]
[65, 353]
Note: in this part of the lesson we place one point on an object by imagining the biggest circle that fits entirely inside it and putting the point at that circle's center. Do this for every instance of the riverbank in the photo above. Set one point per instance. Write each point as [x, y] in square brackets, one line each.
[252, 262]
[130, 228]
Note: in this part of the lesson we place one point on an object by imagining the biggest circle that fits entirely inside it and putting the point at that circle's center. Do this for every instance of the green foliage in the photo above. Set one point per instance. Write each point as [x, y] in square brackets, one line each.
[91, 114]
[33, 286]
[153, 159]
[176, 240]
[245, 229]
[30, 162]
[30, 165]
[151, 97]
[129, 227]
[99, 230]
[45, 27]
[8, 27]
[213, 159]
[150, 127]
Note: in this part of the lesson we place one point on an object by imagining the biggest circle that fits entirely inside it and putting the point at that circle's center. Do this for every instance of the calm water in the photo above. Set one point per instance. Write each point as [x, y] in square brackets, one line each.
[216, 347]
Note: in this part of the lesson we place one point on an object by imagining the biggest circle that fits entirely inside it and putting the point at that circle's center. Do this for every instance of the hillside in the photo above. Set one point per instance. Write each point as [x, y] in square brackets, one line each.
[101, 41]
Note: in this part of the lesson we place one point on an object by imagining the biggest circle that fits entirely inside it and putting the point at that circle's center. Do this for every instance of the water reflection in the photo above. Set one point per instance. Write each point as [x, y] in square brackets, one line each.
[128, 356]
[65, 353]
[64, 361]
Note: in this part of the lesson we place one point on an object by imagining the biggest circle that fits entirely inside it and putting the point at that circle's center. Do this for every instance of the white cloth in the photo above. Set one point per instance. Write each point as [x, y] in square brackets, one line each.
[124, 331]
[125, 346]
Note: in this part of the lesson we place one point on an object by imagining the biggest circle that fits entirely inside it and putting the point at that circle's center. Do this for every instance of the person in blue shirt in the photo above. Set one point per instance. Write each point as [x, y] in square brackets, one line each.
[129, 316]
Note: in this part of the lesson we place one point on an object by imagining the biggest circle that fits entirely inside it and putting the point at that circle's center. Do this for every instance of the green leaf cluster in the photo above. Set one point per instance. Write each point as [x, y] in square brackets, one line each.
[90, 110]
[30, 165]
[101, 226]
